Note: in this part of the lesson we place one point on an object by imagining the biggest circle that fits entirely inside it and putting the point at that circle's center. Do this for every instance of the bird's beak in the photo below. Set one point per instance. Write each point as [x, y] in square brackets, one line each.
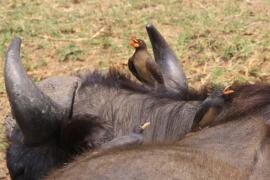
[134, 43]
[145, 125]
[228, 90]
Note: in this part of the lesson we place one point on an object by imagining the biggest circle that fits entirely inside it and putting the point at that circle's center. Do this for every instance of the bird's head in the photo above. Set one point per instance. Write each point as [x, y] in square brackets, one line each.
[137, 43]
[231, 89]
[228, 90]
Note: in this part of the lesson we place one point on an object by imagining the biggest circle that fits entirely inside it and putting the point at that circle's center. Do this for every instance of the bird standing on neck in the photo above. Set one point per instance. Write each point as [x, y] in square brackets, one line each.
[212, 106]
[142, 65]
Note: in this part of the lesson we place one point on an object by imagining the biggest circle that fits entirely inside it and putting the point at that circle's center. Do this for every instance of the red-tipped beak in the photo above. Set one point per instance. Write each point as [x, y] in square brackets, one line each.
[227, 90]
[134, 42]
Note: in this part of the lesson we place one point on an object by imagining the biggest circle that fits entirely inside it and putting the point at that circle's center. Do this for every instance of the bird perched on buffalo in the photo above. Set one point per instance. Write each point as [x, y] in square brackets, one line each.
[212, 105]
[142, 65]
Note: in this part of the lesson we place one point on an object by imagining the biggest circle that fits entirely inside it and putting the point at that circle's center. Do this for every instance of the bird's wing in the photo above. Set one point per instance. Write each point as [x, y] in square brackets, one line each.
[133, 69]
[210, 107]
[154, 69]
[204, 107]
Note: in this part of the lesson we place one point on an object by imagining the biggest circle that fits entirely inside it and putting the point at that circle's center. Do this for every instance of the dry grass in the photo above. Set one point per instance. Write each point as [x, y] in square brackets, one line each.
[218, 41]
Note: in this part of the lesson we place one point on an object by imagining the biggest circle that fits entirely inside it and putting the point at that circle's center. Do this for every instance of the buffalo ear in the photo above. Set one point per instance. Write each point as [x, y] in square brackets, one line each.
[171, 69]
[83, 131]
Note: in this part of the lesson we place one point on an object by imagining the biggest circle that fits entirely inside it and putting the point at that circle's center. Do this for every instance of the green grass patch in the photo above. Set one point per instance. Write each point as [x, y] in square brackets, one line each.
[71, 51]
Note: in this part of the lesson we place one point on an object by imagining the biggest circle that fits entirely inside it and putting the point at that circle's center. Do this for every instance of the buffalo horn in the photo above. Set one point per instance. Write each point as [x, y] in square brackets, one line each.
[36, 114]
[171, 69]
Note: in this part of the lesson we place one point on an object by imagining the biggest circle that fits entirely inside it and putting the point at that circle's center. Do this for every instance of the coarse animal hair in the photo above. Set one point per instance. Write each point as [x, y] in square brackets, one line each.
[91, 128]
[66, 115]
[236, 148]
[118, 79]
[247, 100]
[69, 115]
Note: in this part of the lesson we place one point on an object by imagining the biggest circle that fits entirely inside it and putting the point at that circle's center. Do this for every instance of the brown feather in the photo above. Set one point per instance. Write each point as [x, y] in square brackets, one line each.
[143, 66]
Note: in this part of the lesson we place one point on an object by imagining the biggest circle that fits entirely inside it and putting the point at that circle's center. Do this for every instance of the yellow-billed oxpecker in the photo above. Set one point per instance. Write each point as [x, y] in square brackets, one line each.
[142, 65]
[212, 106]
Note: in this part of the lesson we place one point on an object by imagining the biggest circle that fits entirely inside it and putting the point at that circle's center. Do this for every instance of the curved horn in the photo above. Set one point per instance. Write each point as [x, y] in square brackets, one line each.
[36, 114]
[172, 71]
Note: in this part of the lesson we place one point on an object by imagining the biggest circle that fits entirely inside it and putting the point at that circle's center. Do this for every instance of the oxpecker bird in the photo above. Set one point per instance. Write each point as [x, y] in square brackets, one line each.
[212, 106]
[142, 65]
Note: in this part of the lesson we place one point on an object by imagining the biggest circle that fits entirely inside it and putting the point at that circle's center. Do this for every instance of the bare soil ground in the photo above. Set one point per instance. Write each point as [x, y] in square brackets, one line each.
[217, 41]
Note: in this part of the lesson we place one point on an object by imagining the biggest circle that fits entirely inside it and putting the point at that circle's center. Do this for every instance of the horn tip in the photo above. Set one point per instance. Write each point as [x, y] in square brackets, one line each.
[149, 26]
[16, 40]
[15, 44]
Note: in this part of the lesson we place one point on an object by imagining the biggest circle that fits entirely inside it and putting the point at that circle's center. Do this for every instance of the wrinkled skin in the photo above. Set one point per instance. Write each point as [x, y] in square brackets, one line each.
[65, 116]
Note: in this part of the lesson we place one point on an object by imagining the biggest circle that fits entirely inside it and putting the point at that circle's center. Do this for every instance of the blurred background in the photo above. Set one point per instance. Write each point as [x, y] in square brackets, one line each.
[218, 41]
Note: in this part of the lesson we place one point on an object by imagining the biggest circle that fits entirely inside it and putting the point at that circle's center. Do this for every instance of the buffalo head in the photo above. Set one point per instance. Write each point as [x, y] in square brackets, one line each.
[63, 116]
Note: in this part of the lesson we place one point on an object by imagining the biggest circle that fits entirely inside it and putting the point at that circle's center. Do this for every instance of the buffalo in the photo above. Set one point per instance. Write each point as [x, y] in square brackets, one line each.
[238, 149]
[62, 125]
[62, 117]
[235, 145]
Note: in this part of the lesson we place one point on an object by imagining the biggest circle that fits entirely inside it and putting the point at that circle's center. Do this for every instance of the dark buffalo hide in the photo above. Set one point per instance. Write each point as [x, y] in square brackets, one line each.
[62, 124]
[62, 117]
[237, 146]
